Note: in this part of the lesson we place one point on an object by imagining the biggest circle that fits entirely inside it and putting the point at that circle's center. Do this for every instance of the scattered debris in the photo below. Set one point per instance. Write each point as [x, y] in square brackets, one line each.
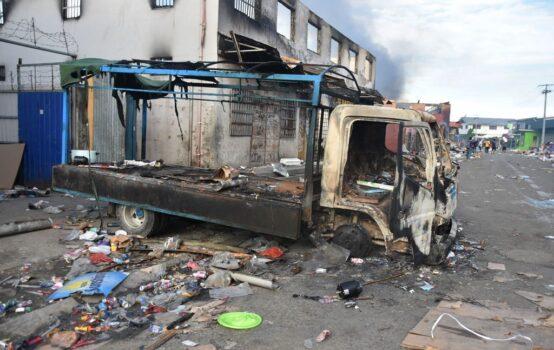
[429, 333]
[89, 284]
[14, 228]
[325, 334]
[530, 275]
[239, 320]
[544, 301]
[349, 289]
[496, 266]
[241, 290]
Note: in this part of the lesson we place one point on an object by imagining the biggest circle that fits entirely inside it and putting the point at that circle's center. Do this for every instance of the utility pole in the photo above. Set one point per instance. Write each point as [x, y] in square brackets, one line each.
[545, 92]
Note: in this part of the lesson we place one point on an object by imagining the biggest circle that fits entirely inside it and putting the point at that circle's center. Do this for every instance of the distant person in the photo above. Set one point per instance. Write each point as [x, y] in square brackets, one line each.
[472, 144]
[487, 145]
[493, 146]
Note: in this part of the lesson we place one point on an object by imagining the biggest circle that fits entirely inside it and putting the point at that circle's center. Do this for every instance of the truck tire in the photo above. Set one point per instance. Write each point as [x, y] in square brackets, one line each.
[353, 238]
[139, 221]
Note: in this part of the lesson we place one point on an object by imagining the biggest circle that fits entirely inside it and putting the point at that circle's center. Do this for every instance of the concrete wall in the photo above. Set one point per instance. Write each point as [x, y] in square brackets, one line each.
[122, 29]
[264, 29]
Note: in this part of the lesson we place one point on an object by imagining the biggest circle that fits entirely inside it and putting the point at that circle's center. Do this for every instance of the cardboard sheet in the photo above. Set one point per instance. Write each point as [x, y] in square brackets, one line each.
[10, 160]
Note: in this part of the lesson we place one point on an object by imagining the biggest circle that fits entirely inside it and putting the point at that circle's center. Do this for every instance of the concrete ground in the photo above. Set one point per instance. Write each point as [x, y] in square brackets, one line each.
[505, 200]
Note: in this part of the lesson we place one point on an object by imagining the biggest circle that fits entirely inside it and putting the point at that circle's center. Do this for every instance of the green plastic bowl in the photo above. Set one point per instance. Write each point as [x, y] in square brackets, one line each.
[239, 320]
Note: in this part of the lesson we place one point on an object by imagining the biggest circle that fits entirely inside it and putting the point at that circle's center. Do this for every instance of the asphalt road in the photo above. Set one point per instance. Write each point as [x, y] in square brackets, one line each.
[504, 199]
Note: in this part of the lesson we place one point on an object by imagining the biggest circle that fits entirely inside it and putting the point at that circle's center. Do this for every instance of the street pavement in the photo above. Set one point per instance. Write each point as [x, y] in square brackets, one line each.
[505, 200]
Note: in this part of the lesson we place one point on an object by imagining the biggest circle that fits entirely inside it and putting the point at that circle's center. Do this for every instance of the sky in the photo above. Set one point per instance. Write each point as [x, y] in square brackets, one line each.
[485, 57]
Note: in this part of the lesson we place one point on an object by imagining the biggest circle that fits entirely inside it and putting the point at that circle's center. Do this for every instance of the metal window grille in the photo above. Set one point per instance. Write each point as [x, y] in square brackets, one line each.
[71, 9]
[1, 12]
[288, 122]
[164, 3]
[242, 114]
[248, 7]
[2, 73]
[241, 123]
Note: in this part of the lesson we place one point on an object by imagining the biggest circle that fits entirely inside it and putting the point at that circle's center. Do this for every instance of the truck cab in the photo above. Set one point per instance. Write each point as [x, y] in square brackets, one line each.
[387, 179]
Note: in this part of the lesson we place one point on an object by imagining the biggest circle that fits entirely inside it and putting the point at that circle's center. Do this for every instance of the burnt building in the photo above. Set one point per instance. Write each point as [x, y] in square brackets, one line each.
[54, 31]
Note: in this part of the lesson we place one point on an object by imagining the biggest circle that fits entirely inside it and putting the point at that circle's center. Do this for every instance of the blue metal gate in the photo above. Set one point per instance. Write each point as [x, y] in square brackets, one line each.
[41, 128]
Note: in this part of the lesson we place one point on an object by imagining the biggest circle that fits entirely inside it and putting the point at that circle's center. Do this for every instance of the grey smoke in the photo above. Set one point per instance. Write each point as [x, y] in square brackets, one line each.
[339, 13]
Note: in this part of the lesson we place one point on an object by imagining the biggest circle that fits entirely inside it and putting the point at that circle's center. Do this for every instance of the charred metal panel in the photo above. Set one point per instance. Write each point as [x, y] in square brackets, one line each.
[257, 214]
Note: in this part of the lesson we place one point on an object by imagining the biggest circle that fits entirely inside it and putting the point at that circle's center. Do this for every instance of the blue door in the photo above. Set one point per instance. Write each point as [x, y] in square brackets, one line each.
[41, 129]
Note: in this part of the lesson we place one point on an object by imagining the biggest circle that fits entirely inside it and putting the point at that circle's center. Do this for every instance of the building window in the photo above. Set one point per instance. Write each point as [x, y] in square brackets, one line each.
[248, 7]
[353, 60]
[241, 123]
[71, 9]
[313, 38]
[284, 20]
[477, 126]
[334, 55]
[288, 122]
[368, 69]
[162, 58]
[163, 3]
[1, 12]
[2, 73]
[492, 127]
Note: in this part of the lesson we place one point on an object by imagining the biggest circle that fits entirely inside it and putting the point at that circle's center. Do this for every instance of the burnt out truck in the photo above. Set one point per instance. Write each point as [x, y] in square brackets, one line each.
[378, 175]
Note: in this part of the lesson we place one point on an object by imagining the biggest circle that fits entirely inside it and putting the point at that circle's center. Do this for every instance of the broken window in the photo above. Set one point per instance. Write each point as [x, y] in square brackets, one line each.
[370, 169]
[241, 123]
[248, 7]
[242, 114]
[414, 154]
[163, 3]
[288, 122]
[284, 20]
[2, 73]
[1, 12]
[352, 60]
[334, 55]
[162, 58]
[368, 68]
[71, 9]
[313, 38]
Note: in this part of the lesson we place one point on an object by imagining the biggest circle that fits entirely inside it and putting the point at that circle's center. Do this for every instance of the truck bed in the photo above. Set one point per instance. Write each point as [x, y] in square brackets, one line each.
[264, 204]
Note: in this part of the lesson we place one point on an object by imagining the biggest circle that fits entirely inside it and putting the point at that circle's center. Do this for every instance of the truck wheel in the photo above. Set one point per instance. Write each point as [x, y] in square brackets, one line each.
[139, 221]
[353, 238]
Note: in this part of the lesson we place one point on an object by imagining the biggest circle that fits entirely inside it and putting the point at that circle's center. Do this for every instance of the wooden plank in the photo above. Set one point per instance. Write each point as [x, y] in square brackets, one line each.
[498, 321]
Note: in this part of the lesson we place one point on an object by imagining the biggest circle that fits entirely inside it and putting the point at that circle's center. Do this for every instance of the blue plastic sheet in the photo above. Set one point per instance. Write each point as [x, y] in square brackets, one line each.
[90, 283]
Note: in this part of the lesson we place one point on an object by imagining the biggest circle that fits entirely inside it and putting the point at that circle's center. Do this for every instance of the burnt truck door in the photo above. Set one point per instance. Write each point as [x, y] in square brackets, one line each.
[413, 202]
[446, 187]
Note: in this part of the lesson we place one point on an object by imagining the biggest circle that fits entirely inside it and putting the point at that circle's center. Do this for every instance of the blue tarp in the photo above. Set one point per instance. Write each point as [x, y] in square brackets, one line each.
[89, 284]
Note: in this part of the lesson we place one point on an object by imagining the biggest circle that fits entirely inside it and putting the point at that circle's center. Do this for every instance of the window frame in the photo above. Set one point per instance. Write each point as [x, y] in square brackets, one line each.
[66, 8]
[166, 4]
[248, 9]
[291, 19]
[355, 69]
[287, 123]
[2, 13]
[368, 66]
[317, 36]
[3, 71]
[331, 51]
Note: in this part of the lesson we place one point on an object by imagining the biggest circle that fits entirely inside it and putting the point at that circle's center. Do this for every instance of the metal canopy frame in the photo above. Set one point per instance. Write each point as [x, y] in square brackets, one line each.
[321, 83]
[317, 80]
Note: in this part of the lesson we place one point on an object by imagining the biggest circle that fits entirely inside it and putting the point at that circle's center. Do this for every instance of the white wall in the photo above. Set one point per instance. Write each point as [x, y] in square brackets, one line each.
[123, 29]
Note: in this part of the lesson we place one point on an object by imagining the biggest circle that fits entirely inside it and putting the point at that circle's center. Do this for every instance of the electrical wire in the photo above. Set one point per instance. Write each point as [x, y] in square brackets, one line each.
[484, 337]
